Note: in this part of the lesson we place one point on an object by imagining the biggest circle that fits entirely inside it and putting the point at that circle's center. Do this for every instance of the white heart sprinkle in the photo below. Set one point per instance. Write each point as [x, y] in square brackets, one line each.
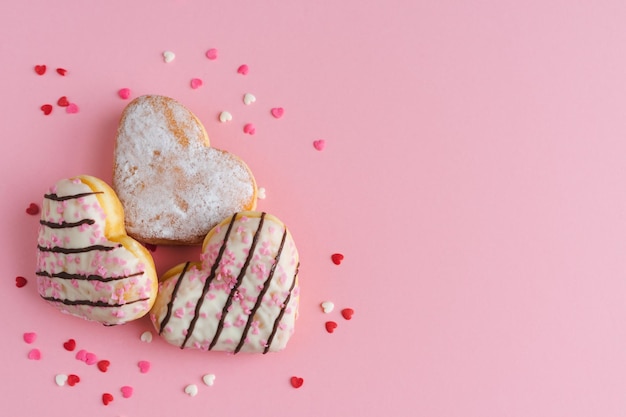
[146, 336]
[261, 193]
[248, 99]
[225, 117]
[168, 56]
[209, 379]
[191, 390]
[328, 306]
[60, 379]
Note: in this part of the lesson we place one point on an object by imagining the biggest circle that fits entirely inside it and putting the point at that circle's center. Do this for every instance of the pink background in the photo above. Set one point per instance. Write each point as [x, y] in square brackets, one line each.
[473, 178]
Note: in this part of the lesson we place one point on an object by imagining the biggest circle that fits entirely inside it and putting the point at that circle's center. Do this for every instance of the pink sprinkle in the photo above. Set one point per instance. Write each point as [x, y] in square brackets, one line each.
[144, 366]
[90, 358]
[34, 354]
[319, 144]
[127, 391]
[81, 355]
[124, 93]
[196, 83]
[72, 108]
[277, 112]
[211, 54]
[179, 313]
[249, 129]
[30, 337]
[243, 69]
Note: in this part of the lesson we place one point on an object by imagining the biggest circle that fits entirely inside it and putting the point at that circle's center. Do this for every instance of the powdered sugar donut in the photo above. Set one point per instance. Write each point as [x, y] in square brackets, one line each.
[243, 295]
[86, 264]
[174, 187]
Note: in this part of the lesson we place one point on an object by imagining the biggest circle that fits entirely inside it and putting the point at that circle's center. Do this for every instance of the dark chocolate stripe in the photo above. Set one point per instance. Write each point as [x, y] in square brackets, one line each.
[242, 273]
[207, 283]
[282, 311]
[259, 299]
[55, 197]
[83, 277]
[66, 225]
[89, 302]
[170, 305]
[58, 249]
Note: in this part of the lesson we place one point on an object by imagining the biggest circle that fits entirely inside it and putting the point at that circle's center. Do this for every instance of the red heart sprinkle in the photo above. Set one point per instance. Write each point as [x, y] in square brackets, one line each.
[331, 326]
[40, 69]
[296, 382]
[46, 109]
[20, 282]
[63, 101]
[61, 71]
[347, 313]
[336, 258]
[103, 365]
[72, 380]
[33, 209]
[277, 112]
[243, 69]
[70, 345]
[106, 398]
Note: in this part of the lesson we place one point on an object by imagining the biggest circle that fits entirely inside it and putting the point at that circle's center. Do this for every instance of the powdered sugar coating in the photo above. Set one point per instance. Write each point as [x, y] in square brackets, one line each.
[173, 185]
[242, 297]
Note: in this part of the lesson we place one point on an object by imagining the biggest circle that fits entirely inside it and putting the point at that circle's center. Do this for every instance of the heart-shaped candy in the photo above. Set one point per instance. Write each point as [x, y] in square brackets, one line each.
[168, 56]
[103, 365]
[86, 264]
[248, 99]
[296, 381]
[173, 185]
[277, 112]
[243, 296]
[243, 69]
[225, 116]
[127, 391]
[107, 398]
[328, 306]
[40, 69]
[191, 390]
[211, 54]
[209, 379]
[60, 379]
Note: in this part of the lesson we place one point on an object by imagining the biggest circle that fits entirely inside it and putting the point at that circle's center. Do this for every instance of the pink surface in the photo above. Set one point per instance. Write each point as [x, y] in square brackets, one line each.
[473, 177]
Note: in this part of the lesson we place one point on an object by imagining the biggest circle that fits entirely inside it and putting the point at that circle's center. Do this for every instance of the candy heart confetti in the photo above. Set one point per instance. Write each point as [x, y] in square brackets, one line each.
[261, 193]
[91, 358]
[347, 313]
[60, 379]
[70, 345]
[61, 71]
[107, 398]
[81, 355]
[127, 391]
[144, 366]
[30, 337]
[225, 117]
[243, 69]
[168, 56]
[32, 209]
[211, 54]
[248, 99]
[319, 144]
[249, 129]
[277, 112]
[34, 354]
[336, 258]
[40, 69]
[296, 382]
[72, 380]
[46, 109]
[191, 390]
[330, 326]
[208, 379]
[328, 306]
[146, 336]
[103, 365]
[72, 108]
[63, 102]
[124, 93]
[196, 83]
[20, 282]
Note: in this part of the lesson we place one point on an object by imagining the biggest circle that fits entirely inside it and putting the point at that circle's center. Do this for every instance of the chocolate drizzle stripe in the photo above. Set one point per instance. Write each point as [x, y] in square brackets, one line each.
[83, 277]
[259, 299]
[66, 225]
[282, 311]
[89, 302]
[208, 281]
[55, 197]
[58, 249]
[242, 273]
[170, 305]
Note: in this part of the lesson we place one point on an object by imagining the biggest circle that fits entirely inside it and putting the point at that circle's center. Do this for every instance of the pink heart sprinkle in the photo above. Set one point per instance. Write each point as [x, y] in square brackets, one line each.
[124, 93]
[211, 54]
[243, 69]
[278, 112]
[72, 108]
[196, 83]
[90, 358]
[81, 355]
[249, 129]
[127, 391]
[34, 354]
[30, 337]
[319, 144]
[144, 366]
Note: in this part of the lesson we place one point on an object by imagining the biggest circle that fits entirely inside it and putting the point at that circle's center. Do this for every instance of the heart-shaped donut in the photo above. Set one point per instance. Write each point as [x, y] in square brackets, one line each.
[242, 296]
[87, 265]
[174, 187]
